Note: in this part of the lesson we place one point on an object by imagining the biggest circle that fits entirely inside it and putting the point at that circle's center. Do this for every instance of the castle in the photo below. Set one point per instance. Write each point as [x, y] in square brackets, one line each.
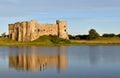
[31, 30]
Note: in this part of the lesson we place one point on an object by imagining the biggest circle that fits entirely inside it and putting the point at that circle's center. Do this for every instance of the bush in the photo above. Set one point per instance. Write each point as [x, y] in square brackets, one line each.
[118, 35]
[77, 37]
[84, 37]
[52, 39]
[71, 37]
[56, 40]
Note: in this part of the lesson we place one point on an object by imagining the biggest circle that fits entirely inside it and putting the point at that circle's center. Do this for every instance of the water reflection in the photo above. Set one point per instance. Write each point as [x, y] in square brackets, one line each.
[94, 55]
[46, 62]
[37, 60]
[104, 55]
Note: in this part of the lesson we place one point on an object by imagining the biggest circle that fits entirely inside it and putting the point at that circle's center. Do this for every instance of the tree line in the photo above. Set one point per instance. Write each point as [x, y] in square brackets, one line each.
[93, 34]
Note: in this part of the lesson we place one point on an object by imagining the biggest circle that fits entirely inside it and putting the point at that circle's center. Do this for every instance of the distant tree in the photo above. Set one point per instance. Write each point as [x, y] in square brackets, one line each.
[71, 36]
[77, 37]
[118, 35]
[105, 35]
[3, 34]
[93, 34]
[84, 37]
[109, 35]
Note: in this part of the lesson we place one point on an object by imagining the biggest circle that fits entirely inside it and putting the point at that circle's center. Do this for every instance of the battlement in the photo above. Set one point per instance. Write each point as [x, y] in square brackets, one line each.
[31, 30]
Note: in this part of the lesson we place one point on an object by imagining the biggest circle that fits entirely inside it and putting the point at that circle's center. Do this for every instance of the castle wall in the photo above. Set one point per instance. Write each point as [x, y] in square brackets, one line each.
[29, 31]
[47, 29]
[23, 24]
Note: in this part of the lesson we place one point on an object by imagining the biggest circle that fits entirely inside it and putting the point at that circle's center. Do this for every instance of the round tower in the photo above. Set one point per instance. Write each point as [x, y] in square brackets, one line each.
[62, 29]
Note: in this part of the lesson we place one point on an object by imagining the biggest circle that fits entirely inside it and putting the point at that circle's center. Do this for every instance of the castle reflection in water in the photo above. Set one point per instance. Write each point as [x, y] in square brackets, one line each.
[36, 60]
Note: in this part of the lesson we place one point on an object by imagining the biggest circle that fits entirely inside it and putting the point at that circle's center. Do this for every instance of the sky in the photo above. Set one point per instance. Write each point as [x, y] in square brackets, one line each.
[81, 15]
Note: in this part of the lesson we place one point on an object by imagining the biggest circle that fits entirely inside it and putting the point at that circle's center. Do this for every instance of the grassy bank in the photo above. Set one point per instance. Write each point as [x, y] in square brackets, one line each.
[42, 41]
[55, 41]
[99, 41]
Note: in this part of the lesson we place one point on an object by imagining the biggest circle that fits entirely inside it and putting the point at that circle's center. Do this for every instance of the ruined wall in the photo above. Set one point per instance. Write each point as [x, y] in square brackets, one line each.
[43, 29]
[29, 31]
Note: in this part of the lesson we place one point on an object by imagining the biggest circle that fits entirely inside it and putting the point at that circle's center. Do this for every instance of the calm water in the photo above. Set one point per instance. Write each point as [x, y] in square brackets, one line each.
[60, 62]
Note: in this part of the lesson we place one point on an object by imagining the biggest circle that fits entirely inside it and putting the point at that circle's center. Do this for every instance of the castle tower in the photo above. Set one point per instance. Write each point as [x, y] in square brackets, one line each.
[11, 32]
[62, 29]
[23, 24]
[30, 28]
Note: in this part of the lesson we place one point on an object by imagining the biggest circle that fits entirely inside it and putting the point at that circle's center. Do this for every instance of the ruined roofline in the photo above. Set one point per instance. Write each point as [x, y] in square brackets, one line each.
[22, 22]
[36, 22]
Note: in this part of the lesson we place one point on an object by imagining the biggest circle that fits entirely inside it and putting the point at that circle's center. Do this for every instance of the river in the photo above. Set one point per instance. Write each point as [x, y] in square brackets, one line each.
[60, 62]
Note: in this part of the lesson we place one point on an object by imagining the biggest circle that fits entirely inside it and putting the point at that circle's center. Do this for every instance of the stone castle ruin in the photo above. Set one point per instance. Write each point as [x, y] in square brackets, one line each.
[29, 31]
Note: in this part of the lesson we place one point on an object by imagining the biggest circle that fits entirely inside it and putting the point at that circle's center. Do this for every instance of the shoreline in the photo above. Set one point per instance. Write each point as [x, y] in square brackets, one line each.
[30, 44]
[47, 42]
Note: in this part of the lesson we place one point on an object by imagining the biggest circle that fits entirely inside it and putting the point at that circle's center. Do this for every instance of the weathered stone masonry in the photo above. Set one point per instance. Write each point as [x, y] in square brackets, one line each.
[29, 31]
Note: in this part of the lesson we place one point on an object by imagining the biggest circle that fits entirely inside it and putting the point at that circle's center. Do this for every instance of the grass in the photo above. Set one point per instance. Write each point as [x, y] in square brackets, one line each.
[42, 41]
[55, 41]
[99, 41]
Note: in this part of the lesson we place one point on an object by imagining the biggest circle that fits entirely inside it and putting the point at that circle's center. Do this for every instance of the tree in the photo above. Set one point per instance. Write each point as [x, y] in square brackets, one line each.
[71, 36]
[84, 37]
[109, 35]
[77, 37]
[3, 34]
[93, 34]
[118, 35]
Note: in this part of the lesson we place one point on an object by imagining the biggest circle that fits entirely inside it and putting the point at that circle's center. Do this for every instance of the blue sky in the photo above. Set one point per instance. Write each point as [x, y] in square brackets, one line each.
[81, 15]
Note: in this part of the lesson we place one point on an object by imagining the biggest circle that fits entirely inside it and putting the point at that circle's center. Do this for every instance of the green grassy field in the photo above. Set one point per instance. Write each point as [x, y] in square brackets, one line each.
[55, 41]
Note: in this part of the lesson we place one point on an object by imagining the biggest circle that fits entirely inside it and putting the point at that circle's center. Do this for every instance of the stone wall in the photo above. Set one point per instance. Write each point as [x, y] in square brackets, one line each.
[29, 31]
